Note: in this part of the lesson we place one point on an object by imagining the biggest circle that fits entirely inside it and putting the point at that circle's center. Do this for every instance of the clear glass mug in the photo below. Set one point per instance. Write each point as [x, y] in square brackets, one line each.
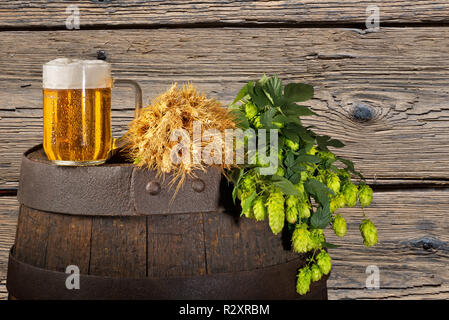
[77, 111]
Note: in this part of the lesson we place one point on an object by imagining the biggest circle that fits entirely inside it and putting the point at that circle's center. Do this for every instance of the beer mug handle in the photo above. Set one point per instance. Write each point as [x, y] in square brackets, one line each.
[120, 142]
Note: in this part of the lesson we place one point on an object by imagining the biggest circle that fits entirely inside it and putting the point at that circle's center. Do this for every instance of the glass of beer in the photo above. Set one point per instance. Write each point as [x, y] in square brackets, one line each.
[77, 111]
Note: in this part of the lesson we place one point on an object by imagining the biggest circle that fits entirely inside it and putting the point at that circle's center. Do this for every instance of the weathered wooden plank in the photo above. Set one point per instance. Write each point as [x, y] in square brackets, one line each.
[23, 14]
[173, 239]
[403, 218]
[396, 77]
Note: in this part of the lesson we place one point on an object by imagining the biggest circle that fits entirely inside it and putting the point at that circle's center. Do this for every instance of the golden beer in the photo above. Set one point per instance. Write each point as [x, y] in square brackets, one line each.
[77, 111]
[77, 125]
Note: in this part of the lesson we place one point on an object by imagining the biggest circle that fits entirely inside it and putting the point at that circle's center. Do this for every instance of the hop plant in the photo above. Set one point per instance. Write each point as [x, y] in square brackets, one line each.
[365, 195]
[301, 240]
[316, 272]
[339, 226]
[349, 191]
[324, 262]
[300, 180]
[259, 210]
[304, 279]
[275, 208]
[333, 182]
[369, 233]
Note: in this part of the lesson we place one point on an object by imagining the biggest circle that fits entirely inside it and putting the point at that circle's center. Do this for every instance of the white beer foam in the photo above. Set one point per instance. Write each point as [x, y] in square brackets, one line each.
[64, 73]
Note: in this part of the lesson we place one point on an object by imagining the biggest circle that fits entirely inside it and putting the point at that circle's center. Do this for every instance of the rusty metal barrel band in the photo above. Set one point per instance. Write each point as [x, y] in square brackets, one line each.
[114, 189]
[275, 282]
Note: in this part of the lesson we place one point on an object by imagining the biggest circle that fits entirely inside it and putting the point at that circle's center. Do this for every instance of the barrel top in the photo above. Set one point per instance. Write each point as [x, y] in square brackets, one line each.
[117, 188]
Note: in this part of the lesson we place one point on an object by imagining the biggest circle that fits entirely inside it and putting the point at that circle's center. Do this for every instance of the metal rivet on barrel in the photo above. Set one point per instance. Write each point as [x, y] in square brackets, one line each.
[198, 185]
[153, 187]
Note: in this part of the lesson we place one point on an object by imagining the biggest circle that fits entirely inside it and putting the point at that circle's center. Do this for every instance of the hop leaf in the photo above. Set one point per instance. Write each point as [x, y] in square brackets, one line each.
[303, 281]
[316, 272]
[247, 210]
[259, 210]
[333, 182]
[365, 195]
[349, 191]
[275, 208]
[369, 233]
[339, 226]
[324, 262]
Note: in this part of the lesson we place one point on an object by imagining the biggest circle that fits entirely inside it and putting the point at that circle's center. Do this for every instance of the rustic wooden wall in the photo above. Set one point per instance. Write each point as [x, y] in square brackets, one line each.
[385, 94]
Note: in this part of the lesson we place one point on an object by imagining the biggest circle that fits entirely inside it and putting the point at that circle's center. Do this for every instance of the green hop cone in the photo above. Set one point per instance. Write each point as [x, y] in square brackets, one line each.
[248, 184]
[324, 262]
[259, 210]
[291, 214]
[292, 145]
[250, 110]
[349, 191]
[333, 182]
[280, 171]
[303, 281]
[301, 241]
[316, 272]
[344, 175]
[256, 122]
[304, 177]
[316, 238]
[280, 156]
[337, 202]
[291, 201]
[365, 195]
[369, 233]
[339, 226]
[304, 210]
[275, 208]
[301, 189]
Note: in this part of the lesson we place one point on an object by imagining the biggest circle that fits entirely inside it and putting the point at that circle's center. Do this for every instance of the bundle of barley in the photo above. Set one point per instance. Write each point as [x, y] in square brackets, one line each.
[154, 137]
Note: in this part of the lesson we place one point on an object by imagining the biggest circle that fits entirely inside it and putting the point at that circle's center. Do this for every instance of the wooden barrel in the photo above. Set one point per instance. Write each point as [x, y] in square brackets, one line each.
[116, 225]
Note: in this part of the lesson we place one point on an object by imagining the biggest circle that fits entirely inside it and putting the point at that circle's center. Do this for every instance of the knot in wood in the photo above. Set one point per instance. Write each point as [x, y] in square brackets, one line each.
[362, 112]
[198, 185]
[153, 188]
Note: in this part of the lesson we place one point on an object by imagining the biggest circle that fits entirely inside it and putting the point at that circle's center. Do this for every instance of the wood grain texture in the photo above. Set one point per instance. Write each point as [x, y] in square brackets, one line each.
[27, 14]
[396, 76]
[405, 220]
